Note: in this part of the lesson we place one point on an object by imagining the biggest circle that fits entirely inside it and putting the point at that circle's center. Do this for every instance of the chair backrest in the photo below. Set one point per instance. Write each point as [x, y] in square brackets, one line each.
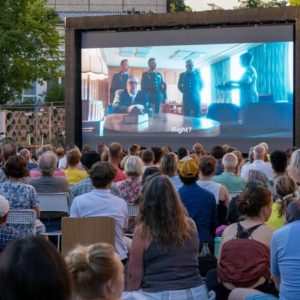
[86, 231]
[234, 194]
[54, 202]
[133, 210]
[23, 220]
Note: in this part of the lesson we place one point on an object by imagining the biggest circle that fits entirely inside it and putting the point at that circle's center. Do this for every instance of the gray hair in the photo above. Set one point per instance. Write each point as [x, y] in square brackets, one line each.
[48, 162]
[293, 168]
[259, 152]
[134, 165]
[230, 160]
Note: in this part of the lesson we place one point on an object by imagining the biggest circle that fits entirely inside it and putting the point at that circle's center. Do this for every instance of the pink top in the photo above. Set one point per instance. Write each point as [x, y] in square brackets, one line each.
[120, 176]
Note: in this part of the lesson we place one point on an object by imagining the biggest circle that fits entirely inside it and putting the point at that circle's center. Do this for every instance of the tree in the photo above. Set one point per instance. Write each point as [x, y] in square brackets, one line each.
[177, 5]
[261, 3]
[29, 45]
[294, 2]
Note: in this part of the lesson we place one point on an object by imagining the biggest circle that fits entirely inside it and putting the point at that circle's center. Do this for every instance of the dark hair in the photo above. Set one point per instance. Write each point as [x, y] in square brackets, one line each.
[16, 167]
[148, 156]
[86, 149]
[253, 199]
[115, 150]
[151, 59]
[73, 157]
[102, 174]
[88, 159]
[9, 150]
[182, 152]
[217, 152]
[31, 268]
[133, 149]
[122, 61]
[149, 172]
[189, 180]
[279, 161]
[207, 165]
[157, 154]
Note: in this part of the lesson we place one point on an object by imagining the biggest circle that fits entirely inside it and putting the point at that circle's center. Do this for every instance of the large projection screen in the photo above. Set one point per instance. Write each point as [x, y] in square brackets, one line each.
[239, 92]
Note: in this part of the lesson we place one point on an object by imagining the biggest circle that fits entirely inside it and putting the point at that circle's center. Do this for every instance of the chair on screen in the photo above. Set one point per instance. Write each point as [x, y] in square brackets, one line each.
[87, 231]
[223, 112]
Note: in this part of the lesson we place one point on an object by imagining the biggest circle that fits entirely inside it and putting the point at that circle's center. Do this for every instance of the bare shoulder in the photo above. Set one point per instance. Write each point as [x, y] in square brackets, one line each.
[229, 232]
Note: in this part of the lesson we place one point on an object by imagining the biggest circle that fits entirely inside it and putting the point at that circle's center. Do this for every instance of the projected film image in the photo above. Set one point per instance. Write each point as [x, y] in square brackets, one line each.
[236, 90]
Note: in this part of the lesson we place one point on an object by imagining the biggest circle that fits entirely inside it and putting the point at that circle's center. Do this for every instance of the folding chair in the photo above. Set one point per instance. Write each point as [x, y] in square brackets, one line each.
[51, 203]
[86, 231]
[22, 219]
[133, 211]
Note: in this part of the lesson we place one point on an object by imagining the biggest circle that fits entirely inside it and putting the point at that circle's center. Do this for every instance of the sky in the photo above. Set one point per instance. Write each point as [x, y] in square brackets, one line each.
[202, 4]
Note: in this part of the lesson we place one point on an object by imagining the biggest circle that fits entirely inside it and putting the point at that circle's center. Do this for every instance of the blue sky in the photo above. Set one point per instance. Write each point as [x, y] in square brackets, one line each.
[202, 4]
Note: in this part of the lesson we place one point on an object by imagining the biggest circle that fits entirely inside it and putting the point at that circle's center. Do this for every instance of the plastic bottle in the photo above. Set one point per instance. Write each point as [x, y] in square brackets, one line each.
[218, 240]
[205, 249]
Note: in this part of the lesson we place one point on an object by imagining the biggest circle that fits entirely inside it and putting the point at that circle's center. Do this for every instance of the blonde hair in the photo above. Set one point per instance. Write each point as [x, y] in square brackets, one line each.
[293, 168]
[133, 166]
[168, 164]
[91, 267]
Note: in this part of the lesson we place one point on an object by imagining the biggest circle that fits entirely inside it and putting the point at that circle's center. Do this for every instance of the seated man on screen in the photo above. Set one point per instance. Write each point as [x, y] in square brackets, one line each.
[190, 84]
[131, 100]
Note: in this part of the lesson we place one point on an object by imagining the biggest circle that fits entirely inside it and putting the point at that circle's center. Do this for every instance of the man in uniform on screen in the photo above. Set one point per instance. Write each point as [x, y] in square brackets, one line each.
[154, 85]
[131, 99]
[119, 79]
[190, 84]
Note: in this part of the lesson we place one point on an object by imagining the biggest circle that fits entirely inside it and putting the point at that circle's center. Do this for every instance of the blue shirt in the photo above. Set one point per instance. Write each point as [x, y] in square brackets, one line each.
[201, 206]
[285, 260]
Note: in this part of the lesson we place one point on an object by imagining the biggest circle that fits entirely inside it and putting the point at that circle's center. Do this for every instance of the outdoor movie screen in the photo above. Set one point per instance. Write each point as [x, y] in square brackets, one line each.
[214, 84]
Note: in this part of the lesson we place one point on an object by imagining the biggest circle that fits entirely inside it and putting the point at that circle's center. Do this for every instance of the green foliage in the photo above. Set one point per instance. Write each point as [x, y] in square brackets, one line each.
[261, 3]
[56, 94]
[294, 2]
[177, 5]
[29, 44]
[214, 6]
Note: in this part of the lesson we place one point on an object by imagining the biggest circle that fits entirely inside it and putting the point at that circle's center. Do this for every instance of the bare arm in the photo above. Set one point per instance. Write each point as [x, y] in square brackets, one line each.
[224, 195]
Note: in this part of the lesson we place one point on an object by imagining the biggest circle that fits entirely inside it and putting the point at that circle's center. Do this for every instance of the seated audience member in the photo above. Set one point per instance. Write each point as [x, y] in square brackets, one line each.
[286, 190]
[134, 149]
[293, 169]
[47, 183]
[86, 149]
[198, 150]
[200, 203]
[19, 194]
[149, 172]
[244, 255]
[182, 152]
[259, 164]
[164, 254]
[8, 150]
[249, 294]
[293, 211]
[250, 158]
[229, 177]
[131, 99]
[26, 153]
[218, 152]
[85, 186]
[115, 154]
[7, 234]
[241, 161]
[100, 202]
[102, 150]
[267, 155]
[60, 152]
[157, 155]
[169, 167]
[166, 150]
[147, 158]
[31, 268]
[73, 174]
[97, 272]
[207, 167]
[62, 163]
[278, 161]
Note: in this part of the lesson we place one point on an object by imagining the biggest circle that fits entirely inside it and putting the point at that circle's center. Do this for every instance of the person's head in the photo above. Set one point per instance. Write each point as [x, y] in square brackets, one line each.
[251, 154]
[246, 59]
[259, 177]
[97, 272]
[124, 65]
[133, 166]
[255, 201]
[101, 148]
[188, 170]
[88, 159]
[115, 152]
[152, 63]
[230, 162]
[4, 208]
[239, 156]
[102, 174]
[16, 167]
[86, 149]
[157, 154]
[47, 163]
[189, 65]
[293, 168]
[31, 268]
[26, 154]
[9, 150]
[182, 152]
[217, 152]
[73, 158]
[148, 157]
[198, 149]
[278, 161]
[60, 152]
[168, 164]
[259, 152]
[207, 165]
[132, 85]
[46, 148]
[134, 149]
[162, 214]
[149, 172]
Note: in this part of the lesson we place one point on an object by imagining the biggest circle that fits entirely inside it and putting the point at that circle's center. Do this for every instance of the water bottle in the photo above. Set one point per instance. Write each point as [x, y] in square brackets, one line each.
[205, 249]
[218, 240]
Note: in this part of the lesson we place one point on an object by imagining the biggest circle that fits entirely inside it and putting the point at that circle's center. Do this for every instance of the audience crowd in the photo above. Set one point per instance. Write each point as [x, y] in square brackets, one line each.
[209, 224]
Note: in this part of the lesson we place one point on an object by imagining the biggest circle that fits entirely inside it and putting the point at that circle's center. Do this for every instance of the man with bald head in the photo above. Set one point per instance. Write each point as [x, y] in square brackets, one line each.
[229, 177]
[259, 153]
[190, 84]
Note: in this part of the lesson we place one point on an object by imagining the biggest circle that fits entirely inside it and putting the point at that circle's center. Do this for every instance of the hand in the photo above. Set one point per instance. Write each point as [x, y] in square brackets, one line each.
[138, 108]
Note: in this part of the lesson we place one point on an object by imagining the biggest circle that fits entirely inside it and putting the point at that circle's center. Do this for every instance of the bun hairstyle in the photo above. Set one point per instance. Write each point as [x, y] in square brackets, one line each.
[91, 267]
[253, 199]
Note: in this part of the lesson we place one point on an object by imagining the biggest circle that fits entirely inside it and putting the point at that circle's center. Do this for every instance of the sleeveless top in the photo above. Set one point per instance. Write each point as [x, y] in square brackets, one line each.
[244, 260]
[174, 268]
[212, 187]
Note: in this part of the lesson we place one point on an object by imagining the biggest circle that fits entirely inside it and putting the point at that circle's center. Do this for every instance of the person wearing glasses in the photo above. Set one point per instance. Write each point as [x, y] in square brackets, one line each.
[131, 100]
